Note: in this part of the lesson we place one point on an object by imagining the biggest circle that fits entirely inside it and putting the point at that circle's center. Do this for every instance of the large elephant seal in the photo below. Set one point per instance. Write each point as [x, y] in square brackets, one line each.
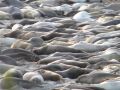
[25, 35]
[20, 54]
[29, 44]
[73, 72]
[56, 67]
[71, 62]
[7, 60]
[95, 77]
[55, 48]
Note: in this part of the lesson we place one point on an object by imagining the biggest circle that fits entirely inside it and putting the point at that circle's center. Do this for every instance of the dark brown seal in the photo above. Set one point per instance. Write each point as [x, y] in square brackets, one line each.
[49, 75]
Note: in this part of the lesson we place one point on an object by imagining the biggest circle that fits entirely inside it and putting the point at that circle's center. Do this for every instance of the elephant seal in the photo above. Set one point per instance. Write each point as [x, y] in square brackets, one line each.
[33, 77]
[5, 67]
[76, 55]
[109, 85]
[49, 75]
[56, 67]
[20, 54]
[10, 82]
[73, 72]
[7, 60]
[71, 62]
[16, 3]
[29, 44]
[113, 22]
[55, 48]
[25, 35]
[101, 64]
[95, 77]
[13, 72]
[14, 50]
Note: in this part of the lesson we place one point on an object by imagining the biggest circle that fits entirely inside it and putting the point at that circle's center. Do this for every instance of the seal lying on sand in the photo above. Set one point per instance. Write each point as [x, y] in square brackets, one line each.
[49, 75]
[73, 72]
[95, 77]
[8, 60]
[20, 54]
[28, 44]
[55, 48]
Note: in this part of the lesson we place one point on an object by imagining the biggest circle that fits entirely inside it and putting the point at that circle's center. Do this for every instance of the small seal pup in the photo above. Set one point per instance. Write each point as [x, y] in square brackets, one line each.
[55, 48]
[33, 77]
[95, 77]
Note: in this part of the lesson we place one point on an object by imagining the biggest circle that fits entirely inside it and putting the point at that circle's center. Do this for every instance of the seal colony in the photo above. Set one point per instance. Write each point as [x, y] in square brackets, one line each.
[59, 45]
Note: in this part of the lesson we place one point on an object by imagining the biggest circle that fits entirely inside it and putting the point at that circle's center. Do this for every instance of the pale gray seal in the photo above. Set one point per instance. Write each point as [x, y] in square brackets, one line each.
[20, 54]
[95, 77]
[33, 77]
[8, 60]
[16, 3]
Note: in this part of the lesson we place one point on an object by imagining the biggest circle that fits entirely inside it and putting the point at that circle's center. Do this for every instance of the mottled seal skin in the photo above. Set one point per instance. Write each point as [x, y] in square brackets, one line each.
[95, 77]
[113, 22]
[73, 72]
[7, 60]
[56, 67]
[55, 48]
[49, 75]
